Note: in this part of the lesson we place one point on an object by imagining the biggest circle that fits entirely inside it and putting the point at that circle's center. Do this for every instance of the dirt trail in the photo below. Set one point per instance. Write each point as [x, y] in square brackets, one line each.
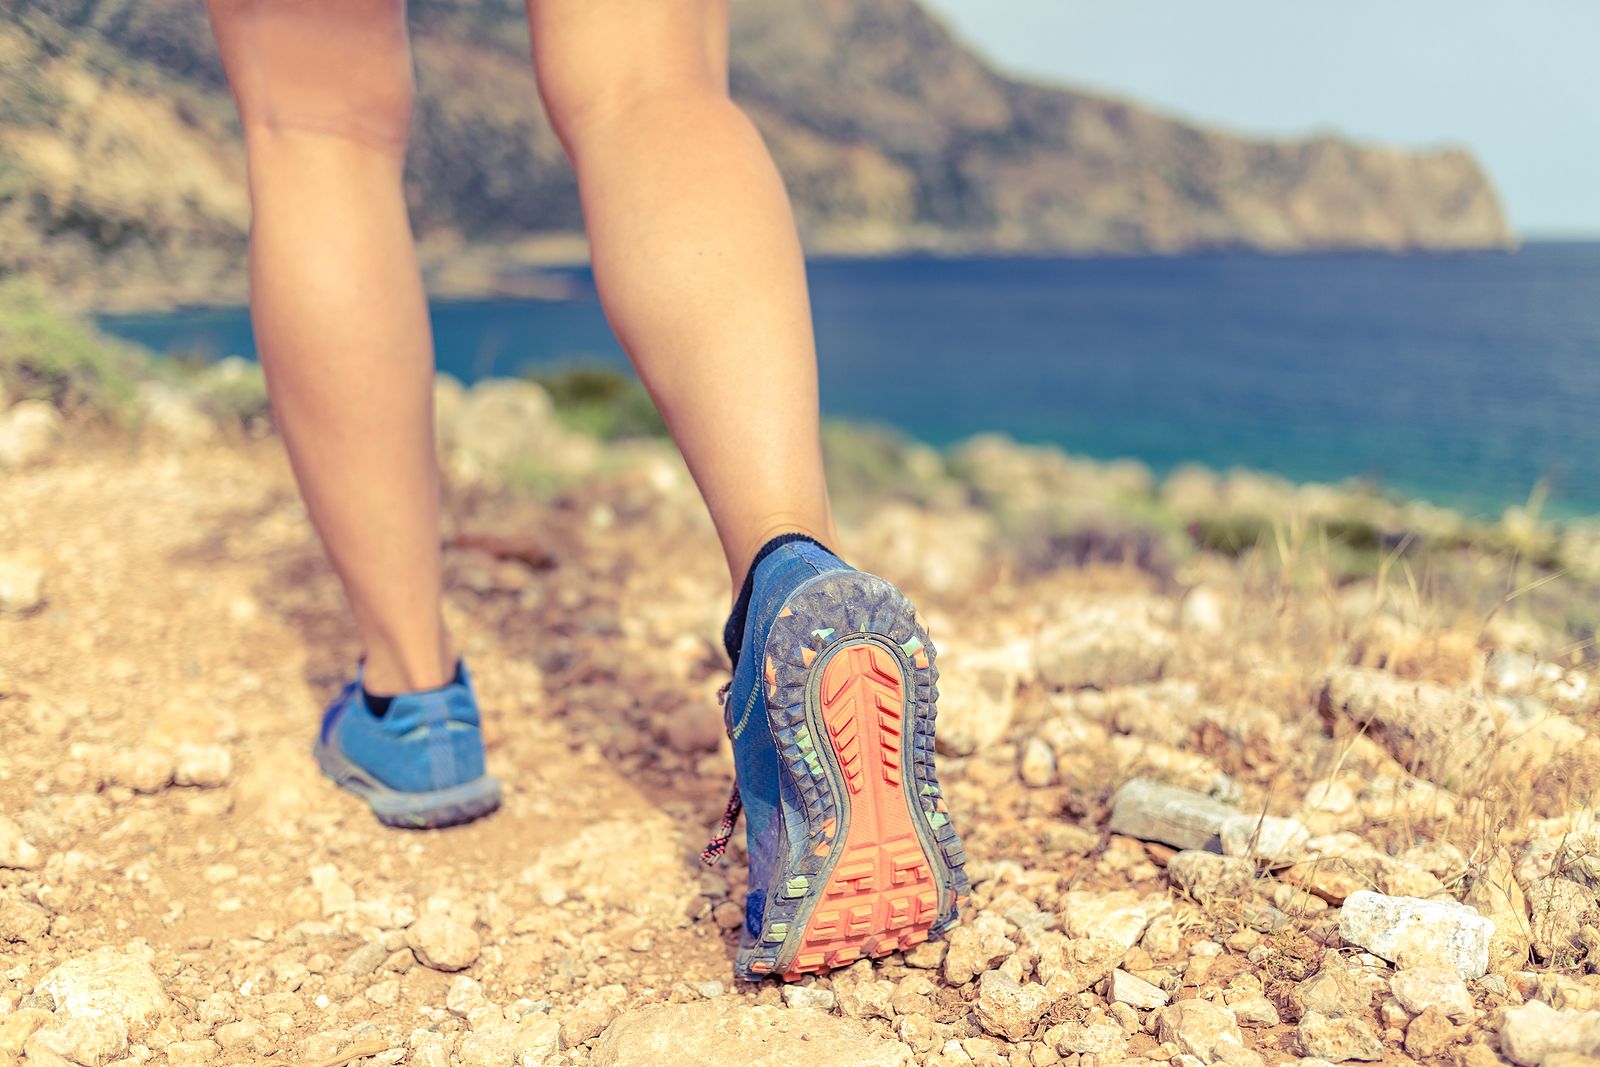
[188, 603]
[178, 884]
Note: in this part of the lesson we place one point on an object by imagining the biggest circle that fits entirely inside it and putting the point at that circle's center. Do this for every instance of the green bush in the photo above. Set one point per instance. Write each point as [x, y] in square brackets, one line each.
[601, 400]
[870, 463]
[233, 391]
[50, 355]
[1231, 534]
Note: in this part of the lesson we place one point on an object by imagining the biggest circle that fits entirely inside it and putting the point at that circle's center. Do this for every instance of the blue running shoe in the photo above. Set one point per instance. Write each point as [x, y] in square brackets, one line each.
[831, 712]
[418, 765]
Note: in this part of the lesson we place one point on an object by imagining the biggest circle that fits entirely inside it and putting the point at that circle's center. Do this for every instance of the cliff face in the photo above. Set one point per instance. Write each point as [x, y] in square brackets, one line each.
[879, 114]
[120, 169]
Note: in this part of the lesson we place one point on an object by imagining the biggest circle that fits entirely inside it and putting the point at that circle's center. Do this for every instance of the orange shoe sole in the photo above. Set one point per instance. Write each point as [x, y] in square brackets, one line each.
[851, 696]
[881, 895]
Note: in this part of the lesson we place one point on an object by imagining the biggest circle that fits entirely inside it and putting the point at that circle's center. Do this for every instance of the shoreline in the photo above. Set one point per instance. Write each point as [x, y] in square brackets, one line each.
[453, 270]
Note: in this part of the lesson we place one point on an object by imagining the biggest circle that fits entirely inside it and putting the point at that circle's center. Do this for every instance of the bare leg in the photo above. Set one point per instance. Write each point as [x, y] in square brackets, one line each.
[695, 253]
[324, 91]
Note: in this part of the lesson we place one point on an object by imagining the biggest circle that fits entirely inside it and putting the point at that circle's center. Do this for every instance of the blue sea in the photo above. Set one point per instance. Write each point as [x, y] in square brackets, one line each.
[1462, 379]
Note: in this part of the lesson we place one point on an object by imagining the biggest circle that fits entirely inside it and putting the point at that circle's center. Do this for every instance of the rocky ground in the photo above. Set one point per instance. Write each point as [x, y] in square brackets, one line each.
[1221, 808]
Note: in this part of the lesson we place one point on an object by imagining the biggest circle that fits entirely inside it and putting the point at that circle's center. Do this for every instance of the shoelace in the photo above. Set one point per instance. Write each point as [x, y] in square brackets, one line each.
[730, 815]
[719, 840]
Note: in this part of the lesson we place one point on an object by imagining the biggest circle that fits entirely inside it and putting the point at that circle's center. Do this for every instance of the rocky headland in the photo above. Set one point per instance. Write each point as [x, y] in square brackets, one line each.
[122, 175]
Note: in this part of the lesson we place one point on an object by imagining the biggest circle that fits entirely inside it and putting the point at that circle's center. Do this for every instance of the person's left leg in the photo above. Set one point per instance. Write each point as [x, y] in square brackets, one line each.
[324, 93]
[325, 96]
[695, 253]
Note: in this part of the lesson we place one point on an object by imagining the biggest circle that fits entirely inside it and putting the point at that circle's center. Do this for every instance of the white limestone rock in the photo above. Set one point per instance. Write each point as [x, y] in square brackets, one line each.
[106, 983]
[1534, 1033]
[1420, 988]
[1413, 932]
[1264, 837]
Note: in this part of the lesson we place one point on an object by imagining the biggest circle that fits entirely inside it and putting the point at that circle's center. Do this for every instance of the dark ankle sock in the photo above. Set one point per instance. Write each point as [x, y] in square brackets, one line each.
[378, 705]
[733, 629]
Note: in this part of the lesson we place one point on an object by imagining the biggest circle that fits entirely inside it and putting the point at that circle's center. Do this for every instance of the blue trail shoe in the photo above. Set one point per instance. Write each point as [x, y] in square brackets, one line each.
[831, 712]
[419, 764]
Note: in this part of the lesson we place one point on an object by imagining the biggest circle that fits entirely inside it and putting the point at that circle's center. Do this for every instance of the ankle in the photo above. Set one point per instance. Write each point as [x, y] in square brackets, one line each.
[744, 557]
[387, 671]
[733, 629]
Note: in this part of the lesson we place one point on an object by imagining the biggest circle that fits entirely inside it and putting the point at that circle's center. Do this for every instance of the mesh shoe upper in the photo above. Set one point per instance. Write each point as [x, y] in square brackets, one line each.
[762, 788]
[425, 741]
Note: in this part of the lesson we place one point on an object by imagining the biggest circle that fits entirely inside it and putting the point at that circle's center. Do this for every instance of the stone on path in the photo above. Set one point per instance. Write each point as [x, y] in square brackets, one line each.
[1120, 916]
[528, 1044]
[28, 433]
[442, 943]
[538, 1040]
[1495, 892]
[1413, 932]
[1338, 1040]
[18, 1025]
[1211, 878]
[1099, 1036]
[1533, 1033]
[1202, 611]
[1202, 1029]
[1334, 991]
[975, 948]
[1448, 735]
[464, 996]
[78, 1042]
[727, 1033]
[1254, 1010]
[1008, 1008]
[106, 983]
[1420, 988]
[16, 851]
[1154, 811]
[633, 865]
[21, 586]
[1264, 837]
[592, 1014]
[195, 1053]
[1107, 643]
[1135, 991]
[206, 766]
[141, 769]
[978, 698]
[808, 996]
[861, 994]
[1559, 908]
[693, 729]
[1430, 1033]
[21, 921]
[1067, 966]
[1037, 768]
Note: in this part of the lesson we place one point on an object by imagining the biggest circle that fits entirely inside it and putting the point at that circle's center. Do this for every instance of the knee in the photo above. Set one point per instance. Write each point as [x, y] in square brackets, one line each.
[372, 119]
[338, 70]
[579, 100]
[374, 113]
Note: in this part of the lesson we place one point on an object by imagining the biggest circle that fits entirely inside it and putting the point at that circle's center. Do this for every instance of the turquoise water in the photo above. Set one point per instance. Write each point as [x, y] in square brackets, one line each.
[1462, 379]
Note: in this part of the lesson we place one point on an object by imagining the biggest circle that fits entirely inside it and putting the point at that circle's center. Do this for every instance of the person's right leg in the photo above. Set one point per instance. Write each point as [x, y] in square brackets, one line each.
[324, 94]
[831, 705]
[695, 252]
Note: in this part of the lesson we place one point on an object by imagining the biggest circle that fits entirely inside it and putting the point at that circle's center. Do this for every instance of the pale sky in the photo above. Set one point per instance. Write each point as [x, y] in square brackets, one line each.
[1516, 81]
